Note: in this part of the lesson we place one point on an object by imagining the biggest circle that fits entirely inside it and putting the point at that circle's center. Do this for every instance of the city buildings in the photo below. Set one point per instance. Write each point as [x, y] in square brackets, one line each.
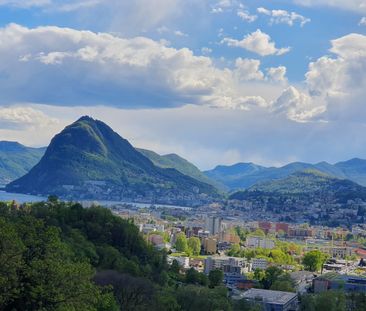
[214, 225]
[259, 263]
[335, 281]
[256, 242]
[209, 246]
[272, 300]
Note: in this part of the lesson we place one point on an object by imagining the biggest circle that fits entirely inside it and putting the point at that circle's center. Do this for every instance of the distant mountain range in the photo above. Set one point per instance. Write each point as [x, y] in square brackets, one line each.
[245, 175]
[16, 160]
[307, 183]
[89, 160]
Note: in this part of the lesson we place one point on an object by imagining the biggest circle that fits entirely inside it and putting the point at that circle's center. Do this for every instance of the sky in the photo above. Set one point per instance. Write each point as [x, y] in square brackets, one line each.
[217, 82]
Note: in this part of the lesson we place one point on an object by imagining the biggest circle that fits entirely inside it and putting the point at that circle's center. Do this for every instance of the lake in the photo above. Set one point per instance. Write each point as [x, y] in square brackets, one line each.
[22, 198]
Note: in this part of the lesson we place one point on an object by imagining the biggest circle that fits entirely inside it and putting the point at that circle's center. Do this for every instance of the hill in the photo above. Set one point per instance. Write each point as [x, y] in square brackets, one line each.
[308, 184]
[88, 160]
[175, 161]
[16, 160]
[245, 175]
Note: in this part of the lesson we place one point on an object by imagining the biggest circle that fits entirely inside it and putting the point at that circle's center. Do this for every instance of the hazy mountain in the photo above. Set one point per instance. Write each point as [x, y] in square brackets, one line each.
[245, 175]
[16, 160]
[310, 185]
[180, 164]
[89, 160]
[354, 169]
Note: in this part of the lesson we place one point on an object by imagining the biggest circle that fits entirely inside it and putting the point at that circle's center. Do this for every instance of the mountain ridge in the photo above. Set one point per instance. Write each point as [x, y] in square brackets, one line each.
[16, 160]
[89, 160]
[238, 177]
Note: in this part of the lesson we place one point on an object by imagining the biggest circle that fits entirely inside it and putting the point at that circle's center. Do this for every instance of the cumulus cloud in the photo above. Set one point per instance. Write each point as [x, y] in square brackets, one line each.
[342, 74]
[297, 105]
[67, 67]
[21, 118]
[334, 85]
[284, 17]
[257, 42]
[246, 16]
[248, 69]
[362, 21]
[277, 74]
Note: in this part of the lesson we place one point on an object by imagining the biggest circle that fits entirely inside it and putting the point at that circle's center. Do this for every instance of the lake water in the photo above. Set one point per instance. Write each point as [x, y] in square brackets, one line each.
[22, 198]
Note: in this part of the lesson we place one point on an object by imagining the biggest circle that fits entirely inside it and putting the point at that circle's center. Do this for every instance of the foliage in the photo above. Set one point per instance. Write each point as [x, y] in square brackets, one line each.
[181, 243]
[60, 256]
[194, 244]
[314, 260]
[215, 278]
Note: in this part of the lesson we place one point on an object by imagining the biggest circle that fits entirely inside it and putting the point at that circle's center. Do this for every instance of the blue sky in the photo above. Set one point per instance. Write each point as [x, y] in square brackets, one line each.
[216, 81]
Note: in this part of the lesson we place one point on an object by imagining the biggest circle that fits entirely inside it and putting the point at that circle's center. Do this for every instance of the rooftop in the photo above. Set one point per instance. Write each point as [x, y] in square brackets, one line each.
[333, 276]
[269, 296]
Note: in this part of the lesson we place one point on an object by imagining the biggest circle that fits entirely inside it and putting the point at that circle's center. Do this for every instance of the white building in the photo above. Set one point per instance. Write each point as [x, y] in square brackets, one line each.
[218, 262]
[259, 263]
[256, 242]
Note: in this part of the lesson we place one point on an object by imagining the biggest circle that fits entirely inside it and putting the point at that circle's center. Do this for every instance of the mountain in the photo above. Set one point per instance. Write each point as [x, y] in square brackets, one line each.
[309, 186]
[354, 169]
[245, 175]
[88, 160]
[16, 160]
[180, 164]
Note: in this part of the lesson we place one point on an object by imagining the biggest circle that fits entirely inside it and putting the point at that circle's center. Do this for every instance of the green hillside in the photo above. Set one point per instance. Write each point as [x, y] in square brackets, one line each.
[89, 160]
[310, 185]
[16, 160]
[180, 164]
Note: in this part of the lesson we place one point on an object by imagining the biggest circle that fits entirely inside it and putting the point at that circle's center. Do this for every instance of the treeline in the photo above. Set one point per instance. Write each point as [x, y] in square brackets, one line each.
[60, 256]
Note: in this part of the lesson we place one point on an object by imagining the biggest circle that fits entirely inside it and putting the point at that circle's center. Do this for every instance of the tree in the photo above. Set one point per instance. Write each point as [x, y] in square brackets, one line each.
[195, 277]
[283, 283]
[175, 267]
[194, 244]
[234, 250]
[271, 276]
[314, 260]
[215, 278]
[181, 243]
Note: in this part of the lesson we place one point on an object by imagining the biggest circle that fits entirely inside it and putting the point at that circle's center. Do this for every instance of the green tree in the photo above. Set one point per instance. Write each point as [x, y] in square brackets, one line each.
[181, 244]
[314, 260]
[194, 244]
[215, 278]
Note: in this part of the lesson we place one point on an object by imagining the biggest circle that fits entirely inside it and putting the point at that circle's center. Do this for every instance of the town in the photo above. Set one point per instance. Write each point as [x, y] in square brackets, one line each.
[306, 259]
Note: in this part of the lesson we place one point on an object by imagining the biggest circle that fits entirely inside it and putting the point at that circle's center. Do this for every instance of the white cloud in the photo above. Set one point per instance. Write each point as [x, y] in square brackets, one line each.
[47, 63]
[205, 50]
[222, 6]
[297, 106]
[21, 118]
[351, 5]
[248, 69]
[362, 21]
[245, 16]
[277, 74]
[334, 85]
[257, 42]
[284, 17]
